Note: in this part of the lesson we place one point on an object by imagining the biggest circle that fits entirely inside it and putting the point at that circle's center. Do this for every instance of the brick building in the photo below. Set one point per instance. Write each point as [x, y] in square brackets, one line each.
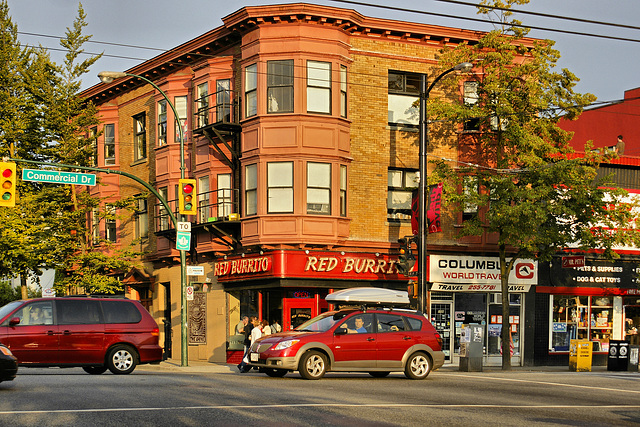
[301, 134]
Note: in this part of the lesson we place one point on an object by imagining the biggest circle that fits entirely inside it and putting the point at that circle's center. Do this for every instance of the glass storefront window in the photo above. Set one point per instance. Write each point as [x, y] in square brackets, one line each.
[581, 317]
[632, 319]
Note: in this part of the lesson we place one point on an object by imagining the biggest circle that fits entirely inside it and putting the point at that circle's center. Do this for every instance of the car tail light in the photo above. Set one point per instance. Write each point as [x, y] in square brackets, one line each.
[439, 339]
[155, 332]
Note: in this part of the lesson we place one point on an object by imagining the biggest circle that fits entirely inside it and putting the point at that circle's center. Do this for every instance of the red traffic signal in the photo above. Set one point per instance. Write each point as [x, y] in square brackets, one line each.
[7, 184]
[186, 198]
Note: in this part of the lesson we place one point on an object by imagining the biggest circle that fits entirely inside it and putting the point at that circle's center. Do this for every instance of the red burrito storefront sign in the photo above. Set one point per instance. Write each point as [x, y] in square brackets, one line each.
[312, 265]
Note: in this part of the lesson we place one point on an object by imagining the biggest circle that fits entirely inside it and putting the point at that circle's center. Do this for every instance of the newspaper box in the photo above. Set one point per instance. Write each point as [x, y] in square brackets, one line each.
[580, 353]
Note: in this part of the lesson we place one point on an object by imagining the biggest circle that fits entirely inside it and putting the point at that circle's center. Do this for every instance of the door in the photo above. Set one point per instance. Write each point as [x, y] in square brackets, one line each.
[296, 311]
[35, 338]
[441, 320]
[358, 347]
[394, 337]
[81, 331]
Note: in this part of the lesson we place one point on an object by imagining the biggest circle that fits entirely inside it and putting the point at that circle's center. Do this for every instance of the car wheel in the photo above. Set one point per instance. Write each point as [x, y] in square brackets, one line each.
[276, 373]
[313, 365]
[95, 370]
[418, 366]
[378, 374]
[121, 359]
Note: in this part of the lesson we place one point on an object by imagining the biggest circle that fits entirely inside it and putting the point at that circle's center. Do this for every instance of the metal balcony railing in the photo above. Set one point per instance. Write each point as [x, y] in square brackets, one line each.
[217, 109]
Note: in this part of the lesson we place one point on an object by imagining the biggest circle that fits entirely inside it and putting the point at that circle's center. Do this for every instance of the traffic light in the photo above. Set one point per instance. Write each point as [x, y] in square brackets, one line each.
[412, 289]
[406, 259]
[8, 180]
[187, 197]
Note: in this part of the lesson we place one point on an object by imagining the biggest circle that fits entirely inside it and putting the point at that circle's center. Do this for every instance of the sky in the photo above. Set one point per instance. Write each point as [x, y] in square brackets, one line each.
[128, 32]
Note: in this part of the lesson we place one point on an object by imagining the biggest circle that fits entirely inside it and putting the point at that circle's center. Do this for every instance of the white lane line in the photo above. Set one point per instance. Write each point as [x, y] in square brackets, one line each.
[539, 382]
[319, 405]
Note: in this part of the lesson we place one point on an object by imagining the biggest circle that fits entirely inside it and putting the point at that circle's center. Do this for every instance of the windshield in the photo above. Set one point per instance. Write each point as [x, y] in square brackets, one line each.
[321, 323]
[6, 309]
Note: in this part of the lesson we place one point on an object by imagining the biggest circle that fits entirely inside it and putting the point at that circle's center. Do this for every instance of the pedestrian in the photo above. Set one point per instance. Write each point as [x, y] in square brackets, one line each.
[241, 325]
[266, 329]
[275, 327]
[248, 333]
[620, 146]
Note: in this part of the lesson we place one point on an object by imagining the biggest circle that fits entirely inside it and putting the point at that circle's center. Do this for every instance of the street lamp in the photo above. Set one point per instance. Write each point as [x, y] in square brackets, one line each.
[424, 142]
[108, 77]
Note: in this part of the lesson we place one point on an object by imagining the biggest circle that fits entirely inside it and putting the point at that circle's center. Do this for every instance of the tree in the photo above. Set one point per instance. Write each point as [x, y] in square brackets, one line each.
[532, 191]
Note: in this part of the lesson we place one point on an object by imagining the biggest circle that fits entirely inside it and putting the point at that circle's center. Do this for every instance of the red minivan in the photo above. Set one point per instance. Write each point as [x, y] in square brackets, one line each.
[94, 333]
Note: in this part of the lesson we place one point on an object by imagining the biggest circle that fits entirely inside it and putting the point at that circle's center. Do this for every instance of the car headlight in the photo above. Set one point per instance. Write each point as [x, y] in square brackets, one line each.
[286, 344]
[5, 351]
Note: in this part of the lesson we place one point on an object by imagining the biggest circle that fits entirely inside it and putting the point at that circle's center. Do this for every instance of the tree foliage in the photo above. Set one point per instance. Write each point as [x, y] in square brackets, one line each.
[533, 192]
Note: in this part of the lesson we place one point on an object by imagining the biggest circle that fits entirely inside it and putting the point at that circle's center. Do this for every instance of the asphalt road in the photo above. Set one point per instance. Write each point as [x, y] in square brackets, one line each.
[155, 396]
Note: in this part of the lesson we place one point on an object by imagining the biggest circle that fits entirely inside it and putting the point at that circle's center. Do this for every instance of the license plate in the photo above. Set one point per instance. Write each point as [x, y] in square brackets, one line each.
[255, 357]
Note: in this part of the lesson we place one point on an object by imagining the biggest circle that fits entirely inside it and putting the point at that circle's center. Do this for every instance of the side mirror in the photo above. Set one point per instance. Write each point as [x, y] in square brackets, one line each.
[14, 321]
[341, 331]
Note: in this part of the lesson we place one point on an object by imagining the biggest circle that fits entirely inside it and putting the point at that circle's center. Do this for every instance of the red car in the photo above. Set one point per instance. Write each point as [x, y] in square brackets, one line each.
[94, 333]
[376, 340]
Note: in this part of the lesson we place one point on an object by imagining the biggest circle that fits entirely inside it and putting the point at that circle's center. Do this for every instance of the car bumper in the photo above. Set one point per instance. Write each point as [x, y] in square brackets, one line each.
[438, 359]
[288, 363]
[150, 354]
[8, 368]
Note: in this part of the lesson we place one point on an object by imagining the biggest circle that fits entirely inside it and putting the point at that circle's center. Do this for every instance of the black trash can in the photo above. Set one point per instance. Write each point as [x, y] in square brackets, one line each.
[618, 359]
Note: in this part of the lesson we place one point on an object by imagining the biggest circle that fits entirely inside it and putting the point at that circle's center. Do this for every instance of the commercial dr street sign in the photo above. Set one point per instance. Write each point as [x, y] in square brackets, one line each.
[58, 177]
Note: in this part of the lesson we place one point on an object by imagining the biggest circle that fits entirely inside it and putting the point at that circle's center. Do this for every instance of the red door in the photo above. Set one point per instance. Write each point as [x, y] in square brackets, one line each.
[296, 311]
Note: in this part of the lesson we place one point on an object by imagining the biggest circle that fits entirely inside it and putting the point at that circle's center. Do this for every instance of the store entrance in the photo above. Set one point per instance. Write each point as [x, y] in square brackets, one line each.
[296, 311]
[441, 320]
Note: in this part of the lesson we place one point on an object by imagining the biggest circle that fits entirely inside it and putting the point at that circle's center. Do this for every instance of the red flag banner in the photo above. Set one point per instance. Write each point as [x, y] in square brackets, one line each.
[414, 212]
[433, 208]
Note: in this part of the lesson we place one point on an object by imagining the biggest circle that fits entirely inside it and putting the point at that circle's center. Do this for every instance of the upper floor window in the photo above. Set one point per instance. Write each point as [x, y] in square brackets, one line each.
[319, 188]
[404, 92]
[280, 187]
[250, 90]
[223, 100]
[343, 91]
[95, 226]
[470, 186]
[139, 137]
[470, 98]
[280, 86]
[202, 104]
[318, 87]
[109, 145]
[110, 224]
[162, 123]
[180, 102]
[204, 200]
[225, 206]
[251, 189]
[343, 190]
[402, 183]
[142, 219]
[93, 140]
[163, 214]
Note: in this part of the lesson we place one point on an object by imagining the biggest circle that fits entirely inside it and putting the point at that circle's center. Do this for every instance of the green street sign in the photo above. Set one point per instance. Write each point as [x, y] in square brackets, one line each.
[183, 240]
[58, 177]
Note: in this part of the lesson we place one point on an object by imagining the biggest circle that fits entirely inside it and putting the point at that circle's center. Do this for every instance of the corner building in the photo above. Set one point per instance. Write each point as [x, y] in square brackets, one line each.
[302, 136]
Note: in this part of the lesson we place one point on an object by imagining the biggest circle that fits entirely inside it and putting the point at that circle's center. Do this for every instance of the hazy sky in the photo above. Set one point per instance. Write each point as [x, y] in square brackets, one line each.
[606, 67]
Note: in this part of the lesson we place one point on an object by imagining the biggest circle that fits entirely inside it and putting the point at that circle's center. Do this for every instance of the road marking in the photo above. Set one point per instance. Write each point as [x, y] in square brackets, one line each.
[319, 405]
[539, 382]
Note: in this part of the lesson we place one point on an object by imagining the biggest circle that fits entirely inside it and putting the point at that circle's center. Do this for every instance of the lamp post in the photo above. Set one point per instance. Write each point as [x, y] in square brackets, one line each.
[108, 77]
[424, 143]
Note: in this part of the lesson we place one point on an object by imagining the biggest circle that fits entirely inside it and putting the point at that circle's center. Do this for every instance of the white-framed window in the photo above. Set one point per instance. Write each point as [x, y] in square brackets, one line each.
[204, 204]
[280, 86]
[404, 92]
[111, 230]
[93, 140]
[225, 200]
[109, 144]
[223, 100]
[401, 185]
[139, 137]
[251, 90]
[162, 123]
[343, 91]
[251, 189]
[202, 104]
[280, 187]
[470, 186]
[163, 214]
[470, 98]
[95, 226]
[142, 219]
[318, 87]
[180, 102]
[343, 190]
[319, 188]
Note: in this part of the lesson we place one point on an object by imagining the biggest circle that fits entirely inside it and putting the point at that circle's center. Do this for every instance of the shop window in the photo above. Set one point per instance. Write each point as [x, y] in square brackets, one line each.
[581, 317]
[343, 190]
[251, 190]
[280, 86]
[319, 188]
[401, 184]
[250, 90]
[180, 102]
[162, 123]
[343, 91]
[318, 87]
[404, 91]
[139, 137]
[202, 104]
[632, 319]
[109, 145]
[280, 187]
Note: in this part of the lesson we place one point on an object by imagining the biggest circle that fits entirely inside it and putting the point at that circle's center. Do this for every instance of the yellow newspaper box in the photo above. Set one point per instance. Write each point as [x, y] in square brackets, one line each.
[580, 353]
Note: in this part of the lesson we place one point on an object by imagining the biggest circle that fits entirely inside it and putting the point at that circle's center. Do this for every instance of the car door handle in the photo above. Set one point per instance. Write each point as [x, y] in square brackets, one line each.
[67, 332]
[371, 339]
[406, 338]
[50, 333]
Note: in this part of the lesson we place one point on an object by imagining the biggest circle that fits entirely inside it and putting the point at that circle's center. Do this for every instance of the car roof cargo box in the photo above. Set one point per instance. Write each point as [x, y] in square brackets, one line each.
[369, 296]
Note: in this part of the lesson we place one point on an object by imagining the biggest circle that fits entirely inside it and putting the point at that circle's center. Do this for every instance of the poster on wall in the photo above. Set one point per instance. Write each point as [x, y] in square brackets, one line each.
[197, 312]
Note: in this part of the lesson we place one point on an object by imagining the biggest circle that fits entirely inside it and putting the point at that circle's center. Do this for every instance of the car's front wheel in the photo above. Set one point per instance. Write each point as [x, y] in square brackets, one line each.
[95, 370]
[418, 366]
[313, 365]
[121, 359]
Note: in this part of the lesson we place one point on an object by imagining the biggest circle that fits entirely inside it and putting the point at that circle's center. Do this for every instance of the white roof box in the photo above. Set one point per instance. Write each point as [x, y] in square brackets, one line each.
[372, 296]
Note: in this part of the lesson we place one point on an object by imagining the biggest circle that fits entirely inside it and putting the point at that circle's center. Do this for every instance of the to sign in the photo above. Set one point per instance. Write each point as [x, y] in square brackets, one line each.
[184, 226]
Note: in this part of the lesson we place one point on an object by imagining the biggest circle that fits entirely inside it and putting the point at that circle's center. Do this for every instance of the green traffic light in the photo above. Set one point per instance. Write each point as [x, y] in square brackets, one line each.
[6, 196]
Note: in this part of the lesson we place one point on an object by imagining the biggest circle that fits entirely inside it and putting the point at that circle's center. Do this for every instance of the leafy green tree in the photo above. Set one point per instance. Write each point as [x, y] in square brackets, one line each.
[532, 191]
